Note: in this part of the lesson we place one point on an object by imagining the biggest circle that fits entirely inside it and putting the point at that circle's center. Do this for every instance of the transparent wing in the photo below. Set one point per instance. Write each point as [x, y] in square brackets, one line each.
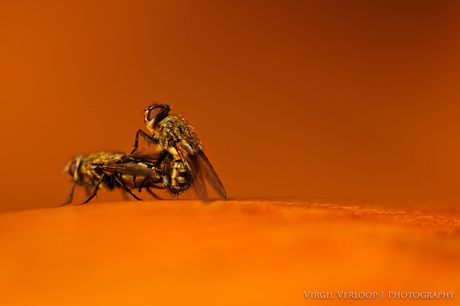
[192, 166]
[211, 175]
[132, 168]
[145, 156]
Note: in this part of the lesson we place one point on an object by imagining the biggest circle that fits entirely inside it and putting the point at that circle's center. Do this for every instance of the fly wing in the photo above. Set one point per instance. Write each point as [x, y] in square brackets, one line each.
[192, 166]
[131, 168]
[211, 175]
[149, 156]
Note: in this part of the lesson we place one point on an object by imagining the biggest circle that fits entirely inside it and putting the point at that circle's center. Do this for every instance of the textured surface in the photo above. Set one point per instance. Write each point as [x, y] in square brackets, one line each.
[233, 253]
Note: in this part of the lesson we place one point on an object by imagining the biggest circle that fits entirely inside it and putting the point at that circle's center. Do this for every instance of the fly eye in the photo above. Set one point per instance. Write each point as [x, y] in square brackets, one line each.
[153, 112]
[72, 168]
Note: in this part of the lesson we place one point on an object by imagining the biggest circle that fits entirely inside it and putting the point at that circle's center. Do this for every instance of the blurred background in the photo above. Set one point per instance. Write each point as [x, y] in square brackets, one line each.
[291, 99]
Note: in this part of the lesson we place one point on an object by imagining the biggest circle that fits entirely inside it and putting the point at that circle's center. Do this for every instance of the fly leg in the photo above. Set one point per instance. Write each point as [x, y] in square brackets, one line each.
[125, 196]
[95, 190]
[69, 200]
[136, 141]
[123, 184]
[153, 194]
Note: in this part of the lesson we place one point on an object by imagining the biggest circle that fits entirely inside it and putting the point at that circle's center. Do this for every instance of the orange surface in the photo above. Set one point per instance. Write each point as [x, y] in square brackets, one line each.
[225, 253]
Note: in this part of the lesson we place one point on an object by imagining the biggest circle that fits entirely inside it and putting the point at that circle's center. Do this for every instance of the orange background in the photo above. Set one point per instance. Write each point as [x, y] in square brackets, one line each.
[293, 99]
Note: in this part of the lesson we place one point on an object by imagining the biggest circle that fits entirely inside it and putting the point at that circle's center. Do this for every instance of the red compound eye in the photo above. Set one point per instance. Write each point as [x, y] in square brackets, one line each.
[72, 168]
[154, 111]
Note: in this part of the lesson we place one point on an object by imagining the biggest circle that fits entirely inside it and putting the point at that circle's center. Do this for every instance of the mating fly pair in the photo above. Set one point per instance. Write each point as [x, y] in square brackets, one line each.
[177, 164]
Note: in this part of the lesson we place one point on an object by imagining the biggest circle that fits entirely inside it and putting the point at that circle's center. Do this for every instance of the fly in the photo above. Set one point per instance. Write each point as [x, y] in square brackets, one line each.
[181, 152]
[112, 170]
